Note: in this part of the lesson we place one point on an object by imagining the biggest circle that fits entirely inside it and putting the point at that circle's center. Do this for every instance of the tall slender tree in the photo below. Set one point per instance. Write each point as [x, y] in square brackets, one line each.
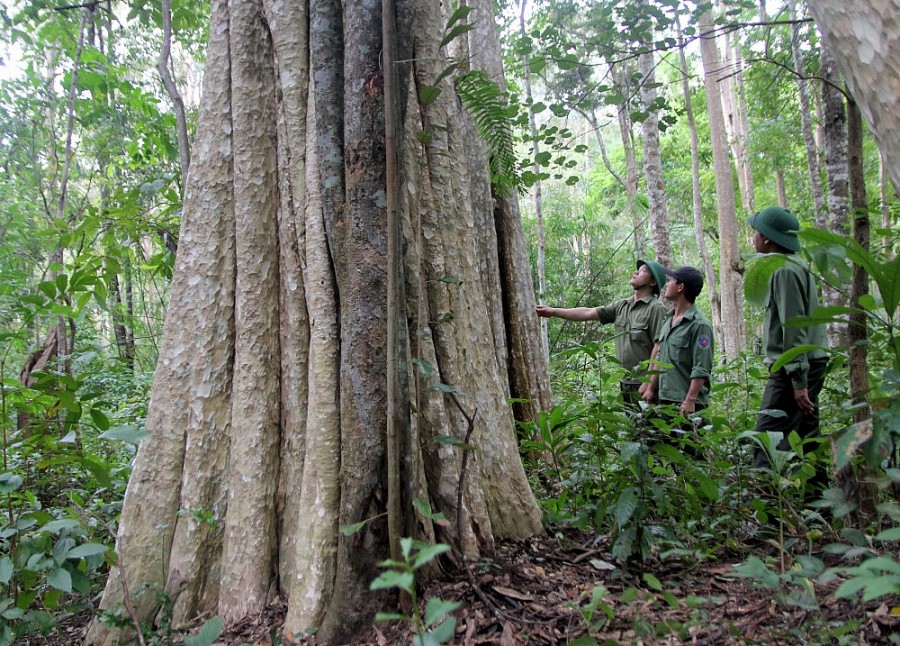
[653, 172]
[730, 277]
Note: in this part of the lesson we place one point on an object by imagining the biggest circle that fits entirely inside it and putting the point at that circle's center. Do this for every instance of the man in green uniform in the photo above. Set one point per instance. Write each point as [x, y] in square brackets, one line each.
[686, 343]
[637, 320]
[795, 388]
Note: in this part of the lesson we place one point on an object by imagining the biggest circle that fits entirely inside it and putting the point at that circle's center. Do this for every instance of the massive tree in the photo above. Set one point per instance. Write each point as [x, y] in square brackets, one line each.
[863, 38]
[269, 412]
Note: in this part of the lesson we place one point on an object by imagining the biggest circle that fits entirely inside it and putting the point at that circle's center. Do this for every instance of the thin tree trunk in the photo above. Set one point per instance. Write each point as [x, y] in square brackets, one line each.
[184, 146]
[631, 173]
[780, 189]
[653, 174]
[697, 199]
[538, 202]
[812, 155]
[865, 487]
[734, 108]
[730, 276]
[835, 119]
[886, 191]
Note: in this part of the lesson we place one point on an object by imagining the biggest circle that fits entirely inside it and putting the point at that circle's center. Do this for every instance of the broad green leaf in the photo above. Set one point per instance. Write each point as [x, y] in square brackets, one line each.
[567, 62]
[428, 553]
[436, 609]
[393, 579]
[350, 530]
[56, 526]
[625, 506]
[51, 599]
[758, 274]
[100, 470]
[443, 387]
[792, 354]
[60, 579]
[753, 568]
[9, 482]
[846, 441]
[126, 433]
[80, 582]
[822, 316]
[455, 32]
[16, 613]
[889, 284]
[428, 94]
[460, 13]
[708, 487]
[6, 569]
[447, 71]
[87, 549]
[892, 534]
[207, 635]
[653, 582]
[423, 507]
[100, 419]
[440, 635]
[879, 586]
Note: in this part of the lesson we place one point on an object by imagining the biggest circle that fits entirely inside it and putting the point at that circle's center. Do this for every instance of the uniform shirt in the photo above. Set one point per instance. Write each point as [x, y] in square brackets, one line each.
[689, 348]
[637, 324]
[792, 292]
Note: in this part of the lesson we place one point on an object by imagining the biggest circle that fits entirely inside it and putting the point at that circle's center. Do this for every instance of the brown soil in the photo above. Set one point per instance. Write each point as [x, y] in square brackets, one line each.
[530, 593]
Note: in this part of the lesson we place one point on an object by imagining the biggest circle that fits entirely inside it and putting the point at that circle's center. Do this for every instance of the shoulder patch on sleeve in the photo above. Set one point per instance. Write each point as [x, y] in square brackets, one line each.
[703, 342]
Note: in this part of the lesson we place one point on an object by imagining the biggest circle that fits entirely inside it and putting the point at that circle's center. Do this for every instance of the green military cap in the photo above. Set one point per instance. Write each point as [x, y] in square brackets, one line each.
[778, 225]
[659, 273]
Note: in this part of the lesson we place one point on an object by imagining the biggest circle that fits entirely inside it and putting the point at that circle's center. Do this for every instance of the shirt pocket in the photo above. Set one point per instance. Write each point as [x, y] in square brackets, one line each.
[681, 347]
[640, 333]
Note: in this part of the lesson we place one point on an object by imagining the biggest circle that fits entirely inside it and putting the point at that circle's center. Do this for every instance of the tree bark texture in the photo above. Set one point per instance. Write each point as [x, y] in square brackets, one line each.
[709, 270]
[631, 174]
[538, 194]
[736, 122]
[653, 174]
[730, 277]
[837, 172]
[268, 413]
[864, 38]
[806, 128]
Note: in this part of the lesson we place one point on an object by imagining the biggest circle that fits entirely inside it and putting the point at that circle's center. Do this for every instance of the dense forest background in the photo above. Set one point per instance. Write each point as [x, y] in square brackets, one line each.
[626, 131]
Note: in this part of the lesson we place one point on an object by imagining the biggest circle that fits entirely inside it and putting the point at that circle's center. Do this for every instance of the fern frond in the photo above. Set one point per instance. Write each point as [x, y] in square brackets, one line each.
[490, 111]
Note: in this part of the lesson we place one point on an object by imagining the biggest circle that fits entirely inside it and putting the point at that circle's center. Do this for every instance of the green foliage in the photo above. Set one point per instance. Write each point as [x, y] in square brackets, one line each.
[436, 625]
[491, 113]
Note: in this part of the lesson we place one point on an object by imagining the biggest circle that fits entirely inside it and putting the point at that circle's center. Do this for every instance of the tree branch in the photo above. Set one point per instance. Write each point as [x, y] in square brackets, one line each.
[184, 147]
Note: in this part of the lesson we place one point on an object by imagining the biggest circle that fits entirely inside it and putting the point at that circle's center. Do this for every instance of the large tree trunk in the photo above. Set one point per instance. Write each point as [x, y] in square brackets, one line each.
[863, 39]
[514, 328]
[730, 277]
[653, 173]
[269, 405]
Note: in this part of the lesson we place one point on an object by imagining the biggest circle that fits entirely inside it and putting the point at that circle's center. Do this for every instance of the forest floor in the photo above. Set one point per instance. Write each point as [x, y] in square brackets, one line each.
[532, 591]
